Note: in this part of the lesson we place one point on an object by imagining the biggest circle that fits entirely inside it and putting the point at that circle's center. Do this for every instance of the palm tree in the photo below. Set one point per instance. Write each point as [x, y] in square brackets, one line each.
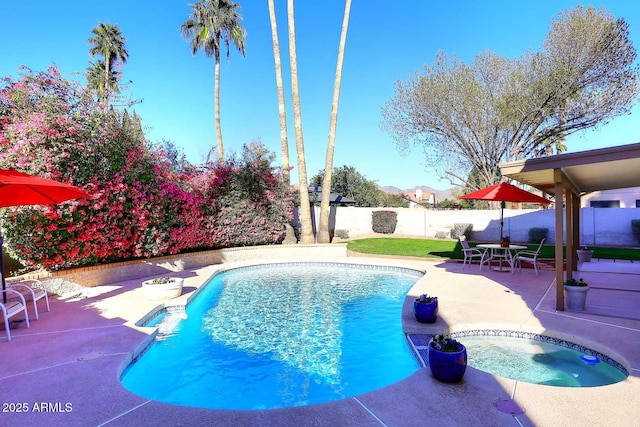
[323, 233]
[108, 41]
[95, 80]
[212, 23]
[305, 208]
[281, 107]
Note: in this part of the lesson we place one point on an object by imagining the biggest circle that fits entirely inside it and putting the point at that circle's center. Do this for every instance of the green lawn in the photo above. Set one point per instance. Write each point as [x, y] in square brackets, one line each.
[451, 249]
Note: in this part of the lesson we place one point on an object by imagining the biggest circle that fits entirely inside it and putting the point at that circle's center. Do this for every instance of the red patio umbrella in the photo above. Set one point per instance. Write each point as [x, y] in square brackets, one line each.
[505, 192]
[21, 189]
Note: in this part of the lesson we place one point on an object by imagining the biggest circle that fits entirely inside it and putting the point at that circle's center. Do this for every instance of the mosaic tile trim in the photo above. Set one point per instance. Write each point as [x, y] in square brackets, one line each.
[419, 344]
[405, 270]
[541, 338]
[156, 315]
[150, 317]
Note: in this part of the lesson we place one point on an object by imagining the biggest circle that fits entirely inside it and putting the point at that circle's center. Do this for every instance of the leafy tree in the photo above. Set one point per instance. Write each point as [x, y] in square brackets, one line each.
[95, 80]
[348, 182]
[323, 232]
[175, 157]
[108, 42]
[454, 204]
[392, 200]
[477, 115]
[133, 123]
[306, 235]
[214, 23]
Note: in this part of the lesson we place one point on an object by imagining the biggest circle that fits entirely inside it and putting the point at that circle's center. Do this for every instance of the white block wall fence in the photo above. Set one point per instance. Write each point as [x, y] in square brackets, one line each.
[598, 226]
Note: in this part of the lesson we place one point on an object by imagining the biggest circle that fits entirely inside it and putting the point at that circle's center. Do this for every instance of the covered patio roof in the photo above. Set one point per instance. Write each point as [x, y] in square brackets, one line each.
[571, 175]
[593, 170]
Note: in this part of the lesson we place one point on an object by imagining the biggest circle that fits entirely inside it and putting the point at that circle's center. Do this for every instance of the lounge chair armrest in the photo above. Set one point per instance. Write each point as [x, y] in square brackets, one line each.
[33, 283]
[18, 287]
[18, 294]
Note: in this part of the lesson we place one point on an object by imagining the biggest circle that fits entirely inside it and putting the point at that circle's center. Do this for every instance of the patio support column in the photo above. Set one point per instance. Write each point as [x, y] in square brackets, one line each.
[569, 209]
[559, 238]
[576, 229]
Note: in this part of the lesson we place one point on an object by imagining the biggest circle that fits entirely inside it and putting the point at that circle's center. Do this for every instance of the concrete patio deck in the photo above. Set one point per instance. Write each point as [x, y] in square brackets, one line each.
[65, 369]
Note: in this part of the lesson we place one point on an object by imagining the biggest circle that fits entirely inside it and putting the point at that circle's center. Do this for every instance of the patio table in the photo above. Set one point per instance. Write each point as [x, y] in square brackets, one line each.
[500, 253]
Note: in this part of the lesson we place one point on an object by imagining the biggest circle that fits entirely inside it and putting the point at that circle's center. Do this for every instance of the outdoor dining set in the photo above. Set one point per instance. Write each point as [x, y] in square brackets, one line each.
[503, 253]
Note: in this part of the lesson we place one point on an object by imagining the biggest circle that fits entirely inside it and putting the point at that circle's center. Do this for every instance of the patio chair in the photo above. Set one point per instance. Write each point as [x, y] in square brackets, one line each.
[529, 256]
[470, 253]
[32, 290]
[15, 305]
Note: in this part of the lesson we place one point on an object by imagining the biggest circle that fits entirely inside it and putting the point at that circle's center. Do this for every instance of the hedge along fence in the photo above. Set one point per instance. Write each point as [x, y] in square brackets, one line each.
[635, 229]
[461, 230]
[537, 234]
[384, 221]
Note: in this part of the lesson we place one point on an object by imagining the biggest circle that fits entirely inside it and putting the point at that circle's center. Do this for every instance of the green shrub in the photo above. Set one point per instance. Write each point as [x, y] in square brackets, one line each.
[461, 229]
[441, 235]
[384, 221]
[635, 228]
[341, 234]
[536, 234]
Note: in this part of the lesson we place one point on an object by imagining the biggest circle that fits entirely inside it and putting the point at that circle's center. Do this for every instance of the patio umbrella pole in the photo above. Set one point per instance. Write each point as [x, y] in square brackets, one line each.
[4, 285]
[502, 205]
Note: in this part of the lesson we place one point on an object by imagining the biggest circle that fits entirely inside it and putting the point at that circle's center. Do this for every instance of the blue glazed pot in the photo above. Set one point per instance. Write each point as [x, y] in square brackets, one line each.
[425, 312]
[448, 367]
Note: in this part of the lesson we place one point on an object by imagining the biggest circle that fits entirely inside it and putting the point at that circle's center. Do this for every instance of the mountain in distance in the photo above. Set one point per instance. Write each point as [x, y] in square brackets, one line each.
[426, 190]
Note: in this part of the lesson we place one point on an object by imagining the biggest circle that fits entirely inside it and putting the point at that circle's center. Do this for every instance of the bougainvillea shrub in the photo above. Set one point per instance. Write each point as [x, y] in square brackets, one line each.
[141, 204]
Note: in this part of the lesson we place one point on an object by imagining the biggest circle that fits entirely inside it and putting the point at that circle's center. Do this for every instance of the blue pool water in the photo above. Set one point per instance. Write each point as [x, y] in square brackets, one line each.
[540, 362]
[280, 335]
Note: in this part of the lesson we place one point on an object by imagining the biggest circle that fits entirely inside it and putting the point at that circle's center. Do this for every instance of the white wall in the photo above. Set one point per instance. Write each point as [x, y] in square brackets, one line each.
[609, 226]
[626, 196]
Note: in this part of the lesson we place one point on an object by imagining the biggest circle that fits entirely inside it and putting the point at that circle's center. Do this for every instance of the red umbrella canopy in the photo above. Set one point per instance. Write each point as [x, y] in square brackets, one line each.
[504, 192]
[20, 189]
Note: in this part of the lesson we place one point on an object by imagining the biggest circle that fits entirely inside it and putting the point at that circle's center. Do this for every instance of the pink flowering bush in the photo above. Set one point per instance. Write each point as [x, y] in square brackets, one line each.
[142, 205]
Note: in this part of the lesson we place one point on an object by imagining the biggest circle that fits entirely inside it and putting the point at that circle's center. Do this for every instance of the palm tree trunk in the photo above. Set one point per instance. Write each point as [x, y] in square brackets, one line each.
[305, 208]
[216, 100]
[281, 108]
[107, 71]
[323, 234]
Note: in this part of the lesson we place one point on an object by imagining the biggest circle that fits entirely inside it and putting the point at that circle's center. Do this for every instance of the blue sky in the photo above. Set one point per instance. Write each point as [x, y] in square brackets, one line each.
[383, 45]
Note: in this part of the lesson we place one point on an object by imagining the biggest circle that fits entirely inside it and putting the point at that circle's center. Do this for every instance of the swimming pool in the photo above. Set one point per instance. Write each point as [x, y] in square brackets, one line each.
[539, 359]
[280, 335]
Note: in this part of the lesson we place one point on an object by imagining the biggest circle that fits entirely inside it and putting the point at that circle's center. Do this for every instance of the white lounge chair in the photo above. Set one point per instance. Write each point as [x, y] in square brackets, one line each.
[14, 306]
[529, 256]
[32, 290]
[471, 253]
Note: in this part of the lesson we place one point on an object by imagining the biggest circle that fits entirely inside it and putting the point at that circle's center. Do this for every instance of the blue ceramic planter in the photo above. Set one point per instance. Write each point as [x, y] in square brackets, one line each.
[448, 367]
[425, 312]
